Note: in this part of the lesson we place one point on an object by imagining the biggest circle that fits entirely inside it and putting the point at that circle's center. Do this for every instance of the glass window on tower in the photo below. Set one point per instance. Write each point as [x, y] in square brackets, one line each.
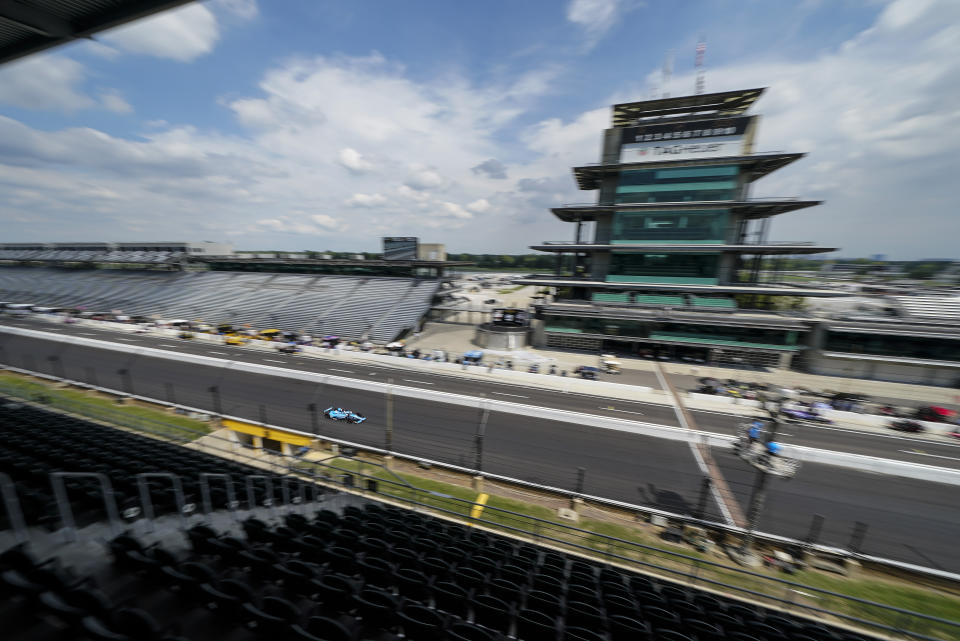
[701, 226]
[699, 269]
[690, 184]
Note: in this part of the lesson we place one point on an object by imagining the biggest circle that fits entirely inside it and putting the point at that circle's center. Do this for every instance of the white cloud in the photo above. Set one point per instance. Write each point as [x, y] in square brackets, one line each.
[308, 225]
[243, 9]
[182, 34]
[366, 200]
[46, 82]
[594, 16]
[354, 160]
[423, 179]
[453, 210]
[479, 206]
[113, 101]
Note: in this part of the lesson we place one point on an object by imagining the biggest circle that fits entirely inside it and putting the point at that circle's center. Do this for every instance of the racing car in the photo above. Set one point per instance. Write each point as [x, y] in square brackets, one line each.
[340, 414]
[806, 415]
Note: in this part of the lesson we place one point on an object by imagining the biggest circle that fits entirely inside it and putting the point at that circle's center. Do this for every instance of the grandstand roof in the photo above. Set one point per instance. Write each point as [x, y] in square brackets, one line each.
[755, 166]
[724, 103]
[751, 209]
[29, 26]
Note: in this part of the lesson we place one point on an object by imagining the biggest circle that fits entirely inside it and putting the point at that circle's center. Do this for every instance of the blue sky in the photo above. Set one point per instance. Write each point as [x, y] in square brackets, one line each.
[324, 125]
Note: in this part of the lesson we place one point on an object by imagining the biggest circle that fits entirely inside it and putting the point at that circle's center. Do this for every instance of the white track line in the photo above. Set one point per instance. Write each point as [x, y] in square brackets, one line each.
[614, 409]
[410, 380]
[270, 360]
[505, 394]
[345, 371]
[952, 458]
[220, 353]
[173, 346]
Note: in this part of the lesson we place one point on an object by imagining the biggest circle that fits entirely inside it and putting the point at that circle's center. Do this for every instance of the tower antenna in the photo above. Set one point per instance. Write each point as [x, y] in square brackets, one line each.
[698, 63]
[666, 73]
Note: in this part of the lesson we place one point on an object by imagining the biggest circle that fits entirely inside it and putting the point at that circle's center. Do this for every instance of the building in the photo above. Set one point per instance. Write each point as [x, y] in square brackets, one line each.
[673, 268]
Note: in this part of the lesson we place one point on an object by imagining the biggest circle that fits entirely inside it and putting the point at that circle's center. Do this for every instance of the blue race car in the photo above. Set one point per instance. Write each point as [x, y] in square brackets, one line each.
[806, 415]
[340, 414]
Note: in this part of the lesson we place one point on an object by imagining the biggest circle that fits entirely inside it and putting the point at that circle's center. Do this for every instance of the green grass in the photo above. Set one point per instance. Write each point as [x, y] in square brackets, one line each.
[138, 417]
[694, 570]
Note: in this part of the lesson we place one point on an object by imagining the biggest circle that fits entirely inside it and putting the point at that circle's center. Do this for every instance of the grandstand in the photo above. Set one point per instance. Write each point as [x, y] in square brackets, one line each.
[940, 308]
[377, 309]
[331, 566]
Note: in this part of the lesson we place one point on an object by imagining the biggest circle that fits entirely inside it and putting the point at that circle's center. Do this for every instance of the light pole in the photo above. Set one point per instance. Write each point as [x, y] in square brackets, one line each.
[766, 466]
[388, 435]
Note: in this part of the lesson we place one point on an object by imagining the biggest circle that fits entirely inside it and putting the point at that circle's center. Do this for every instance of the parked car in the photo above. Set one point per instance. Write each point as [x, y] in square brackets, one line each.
[906, 425]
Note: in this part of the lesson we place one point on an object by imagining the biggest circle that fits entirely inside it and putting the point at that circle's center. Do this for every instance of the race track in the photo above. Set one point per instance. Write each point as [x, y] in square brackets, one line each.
[912, 521]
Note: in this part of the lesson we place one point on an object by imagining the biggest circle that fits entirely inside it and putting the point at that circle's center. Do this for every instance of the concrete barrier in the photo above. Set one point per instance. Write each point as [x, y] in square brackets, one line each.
[813, 455]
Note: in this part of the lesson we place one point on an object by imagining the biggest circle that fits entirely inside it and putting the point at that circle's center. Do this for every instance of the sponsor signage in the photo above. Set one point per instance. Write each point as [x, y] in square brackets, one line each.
[400, 248]
[698, 139]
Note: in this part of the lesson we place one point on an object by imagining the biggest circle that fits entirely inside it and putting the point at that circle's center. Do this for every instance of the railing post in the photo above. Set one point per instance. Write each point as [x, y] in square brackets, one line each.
[252, 495]
[300, 500]
[146, 500]
[232, 503]
[11, 503]
[66, 510]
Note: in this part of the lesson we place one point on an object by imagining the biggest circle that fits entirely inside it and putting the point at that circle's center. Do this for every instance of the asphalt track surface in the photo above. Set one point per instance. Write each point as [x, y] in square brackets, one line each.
[912, 521]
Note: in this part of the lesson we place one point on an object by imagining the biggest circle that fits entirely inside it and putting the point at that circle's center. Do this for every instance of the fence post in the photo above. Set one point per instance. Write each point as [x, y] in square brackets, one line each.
[816, 526]
[56, 365]
[481, 432]
[581, 473]
[215, 395]
[703, 497]
[127, 380]
[388, 434]
[857, 537]
[314, 426]
[263, 414]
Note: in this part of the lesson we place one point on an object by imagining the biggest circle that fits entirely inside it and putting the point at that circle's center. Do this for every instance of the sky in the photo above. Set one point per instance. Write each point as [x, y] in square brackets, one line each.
[324, 125]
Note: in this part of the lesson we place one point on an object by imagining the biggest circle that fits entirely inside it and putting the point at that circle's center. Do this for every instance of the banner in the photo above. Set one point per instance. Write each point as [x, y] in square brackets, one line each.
[679, 141]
